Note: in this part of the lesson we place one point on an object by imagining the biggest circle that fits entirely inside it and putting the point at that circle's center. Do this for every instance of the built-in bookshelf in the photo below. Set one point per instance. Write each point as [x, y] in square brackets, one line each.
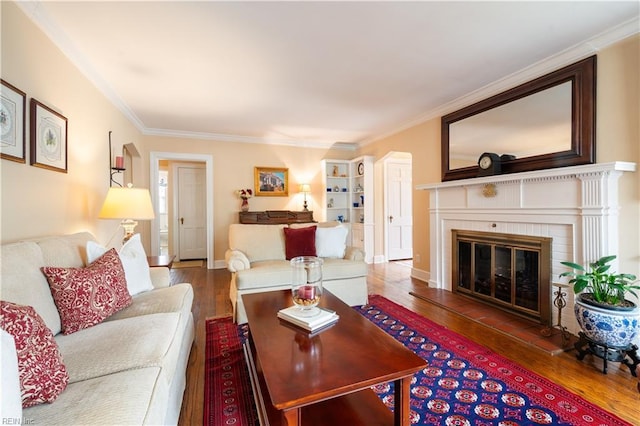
[349, 199]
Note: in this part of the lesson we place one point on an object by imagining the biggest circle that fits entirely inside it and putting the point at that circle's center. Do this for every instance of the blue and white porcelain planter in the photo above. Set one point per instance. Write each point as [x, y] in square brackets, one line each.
[613, 328]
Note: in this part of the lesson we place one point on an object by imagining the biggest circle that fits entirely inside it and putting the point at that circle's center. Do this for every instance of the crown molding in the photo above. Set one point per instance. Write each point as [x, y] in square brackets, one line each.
[39, 15]
[568, 56]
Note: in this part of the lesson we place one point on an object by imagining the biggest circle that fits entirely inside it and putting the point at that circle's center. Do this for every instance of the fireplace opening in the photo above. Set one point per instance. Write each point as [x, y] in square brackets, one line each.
[508, 271]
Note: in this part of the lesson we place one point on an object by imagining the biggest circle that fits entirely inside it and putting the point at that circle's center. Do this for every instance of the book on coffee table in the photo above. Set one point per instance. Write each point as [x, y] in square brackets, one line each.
[322, 319]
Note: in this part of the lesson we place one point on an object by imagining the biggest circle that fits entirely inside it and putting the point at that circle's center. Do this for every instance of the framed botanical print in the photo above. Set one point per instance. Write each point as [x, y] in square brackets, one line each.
[48, 138]
[271, 181]
[12, 126]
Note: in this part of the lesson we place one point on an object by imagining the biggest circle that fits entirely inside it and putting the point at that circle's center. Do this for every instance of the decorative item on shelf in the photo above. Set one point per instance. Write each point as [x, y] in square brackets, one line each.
[305, 188]
[608, 320]
[335, 171]
[336, 188]
[489, 190]
[118, 167]
[489, 164]
[128, 204]
[361, 168]
[244, 194]
[330, 203]
[362, 200]
[356, 205]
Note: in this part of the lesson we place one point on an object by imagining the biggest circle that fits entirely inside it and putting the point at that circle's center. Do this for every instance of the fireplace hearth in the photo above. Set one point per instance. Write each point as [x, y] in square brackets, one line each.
[509, 271]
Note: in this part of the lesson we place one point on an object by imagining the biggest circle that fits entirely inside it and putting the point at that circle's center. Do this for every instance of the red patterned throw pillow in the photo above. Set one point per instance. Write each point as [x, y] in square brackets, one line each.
[43, 376]
[87, 296]
[300, 242]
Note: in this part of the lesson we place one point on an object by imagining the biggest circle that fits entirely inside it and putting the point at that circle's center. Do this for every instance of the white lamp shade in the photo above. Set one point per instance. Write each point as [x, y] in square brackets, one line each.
[127, 203]
[305, 187]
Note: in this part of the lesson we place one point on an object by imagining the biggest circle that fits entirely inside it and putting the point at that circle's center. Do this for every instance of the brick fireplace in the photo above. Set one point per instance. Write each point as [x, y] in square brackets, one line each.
[575, 207]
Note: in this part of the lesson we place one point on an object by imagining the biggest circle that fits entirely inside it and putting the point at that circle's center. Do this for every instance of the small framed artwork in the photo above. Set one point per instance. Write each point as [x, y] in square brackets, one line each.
[48, 138]
[12, 128]
[271, 181]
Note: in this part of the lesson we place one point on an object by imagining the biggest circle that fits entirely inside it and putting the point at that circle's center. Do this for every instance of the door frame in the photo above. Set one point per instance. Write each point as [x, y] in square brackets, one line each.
[154, 158]
[391, 157]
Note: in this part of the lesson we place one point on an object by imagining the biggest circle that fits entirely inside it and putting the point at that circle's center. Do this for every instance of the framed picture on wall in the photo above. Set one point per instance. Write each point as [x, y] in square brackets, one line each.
[271, 181]
[48, 138]
[12, 128]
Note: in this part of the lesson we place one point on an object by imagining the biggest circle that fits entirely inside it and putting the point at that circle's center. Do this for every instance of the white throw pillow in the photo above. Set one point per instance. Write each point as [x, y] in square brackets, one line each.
[11, 402]
[331, 242]
[134, 262]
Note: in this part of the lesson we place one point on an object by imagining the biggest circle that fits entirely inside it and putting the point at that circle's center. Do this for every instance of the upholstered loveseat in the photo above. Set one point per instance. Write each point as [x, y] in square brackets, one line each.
[258, 261]
[128, 369]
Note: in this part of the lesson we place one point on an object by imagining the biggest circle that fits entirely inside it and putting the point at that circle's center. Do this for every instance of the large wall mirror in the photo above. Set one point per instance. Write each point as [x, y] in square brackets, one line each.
[545, 123]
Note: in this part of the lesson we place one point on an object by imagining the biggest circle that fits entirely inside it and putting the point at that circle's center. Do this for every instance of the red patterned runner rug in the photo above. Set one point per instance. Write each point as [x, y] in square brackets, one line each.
[228, 399]
[465, 383]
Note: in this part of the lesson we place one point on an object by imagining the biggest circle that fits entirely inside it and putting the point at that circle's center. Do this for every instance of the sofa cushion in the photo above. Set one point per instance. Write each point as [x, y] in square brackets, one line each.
[145, 341]
[43, 375]
[67, 251]
[300, 242]
[258, 242]
[270, 273]
[134, 262]
[177, 298]
[339, 269]
[134, 397]
[331, 242]
[23, 283]
[86, 296]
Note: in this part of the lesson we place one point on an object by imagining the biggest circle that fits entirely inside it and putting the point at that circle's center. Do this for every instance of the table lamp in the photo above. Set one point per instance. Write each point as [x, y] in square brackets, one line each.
[129, 204]
[305, 188]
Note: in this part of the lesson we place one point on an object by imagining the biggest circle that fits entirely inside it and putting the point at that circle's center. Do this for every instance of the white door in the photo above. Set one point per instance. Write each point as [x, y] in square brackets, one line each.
[191, 212]
[399, 210]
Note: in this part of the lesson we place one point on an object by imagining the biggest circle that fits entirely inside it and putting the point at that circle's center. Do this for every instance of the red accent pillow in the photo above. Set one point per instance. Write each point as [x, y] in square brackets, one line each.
[300, 241]
[43, 376]
[87, 296]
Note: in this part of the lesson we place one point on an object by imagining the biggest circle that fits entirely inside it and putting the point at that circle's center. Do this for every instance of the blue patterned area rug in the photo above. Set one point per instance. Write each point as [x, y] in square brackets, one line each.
[464, 384]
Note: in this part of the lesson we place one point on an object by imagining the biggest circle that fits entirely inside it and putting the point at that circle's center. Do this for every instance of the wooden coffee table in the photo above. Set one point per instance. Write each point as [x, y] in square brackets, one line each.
[325, 379]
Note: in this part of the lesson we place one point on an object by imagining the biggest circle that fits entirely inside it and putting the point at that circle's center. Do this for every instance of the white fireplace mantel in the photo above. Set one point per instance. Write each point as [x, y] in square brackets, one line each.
[576, 206]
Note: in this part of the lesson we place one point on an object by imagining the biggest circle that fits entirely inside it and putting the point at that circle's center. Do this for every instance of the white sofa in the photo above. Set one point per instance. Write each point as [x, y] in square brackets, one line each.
[257, 262]
[129, 369]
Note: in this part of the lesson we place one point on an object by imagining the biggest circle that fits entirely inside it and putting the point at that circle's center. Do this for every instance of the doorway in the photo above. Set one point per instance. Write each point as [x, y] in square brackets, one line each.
[189, 213]
[207, 234]
[398, 206]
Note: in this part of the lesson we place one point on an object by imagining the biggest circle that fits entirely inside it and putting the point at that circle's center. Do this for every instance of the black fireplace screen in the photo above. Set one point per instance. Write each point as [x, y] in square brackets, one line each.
[507, 270]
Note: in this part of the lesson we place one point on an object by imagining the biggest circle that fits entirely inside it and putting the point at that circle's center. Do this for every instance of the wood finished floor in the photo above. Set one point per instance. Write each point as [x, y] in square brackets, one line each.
[615, 392]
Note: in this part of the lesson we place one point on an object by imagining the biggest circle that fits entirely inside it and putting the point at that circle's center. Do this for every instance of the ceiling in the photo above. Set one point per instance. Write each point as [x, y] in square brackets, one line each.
[314, 73]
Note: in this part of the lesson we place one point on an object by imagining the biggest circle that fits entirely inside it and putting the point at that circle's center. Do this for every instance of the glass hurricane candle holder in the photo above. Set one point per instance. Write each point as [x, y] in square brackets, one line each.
[306, 284]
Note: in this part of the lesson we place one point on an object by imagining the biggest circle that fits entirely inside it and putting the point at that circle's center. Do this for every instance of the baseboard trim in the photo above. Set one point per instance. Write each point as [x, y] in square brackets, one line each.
[421, 275]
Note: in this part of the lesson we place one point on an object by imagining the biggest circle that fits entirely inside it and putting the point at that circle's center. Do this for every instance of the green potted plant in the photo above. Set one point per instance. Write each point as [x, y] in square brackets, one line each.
[602, 309]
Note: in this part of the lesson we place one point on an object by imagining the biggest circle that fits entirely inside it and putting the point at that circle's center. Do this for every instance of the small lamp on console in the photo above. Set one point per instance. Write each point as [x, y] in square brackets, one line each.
[305, 188]
[129, 204]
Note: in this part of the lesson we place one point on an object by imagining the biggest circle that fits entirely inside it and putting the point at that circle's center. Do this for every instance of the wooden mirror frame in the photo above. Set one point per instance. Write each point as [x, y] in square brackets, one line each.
[583, 122]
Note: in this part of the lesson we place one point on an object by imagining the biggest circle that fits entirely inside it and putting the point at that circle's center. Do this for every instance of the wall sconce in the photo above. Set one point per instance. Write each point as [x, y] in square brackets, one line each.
[118, 167]
[129, 204]
[305, 188]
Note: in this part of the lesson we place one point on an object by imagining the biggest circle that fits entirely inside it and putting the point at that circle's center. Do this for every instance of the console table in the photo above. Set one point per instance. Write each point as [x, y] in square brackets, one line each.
[270, 217]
